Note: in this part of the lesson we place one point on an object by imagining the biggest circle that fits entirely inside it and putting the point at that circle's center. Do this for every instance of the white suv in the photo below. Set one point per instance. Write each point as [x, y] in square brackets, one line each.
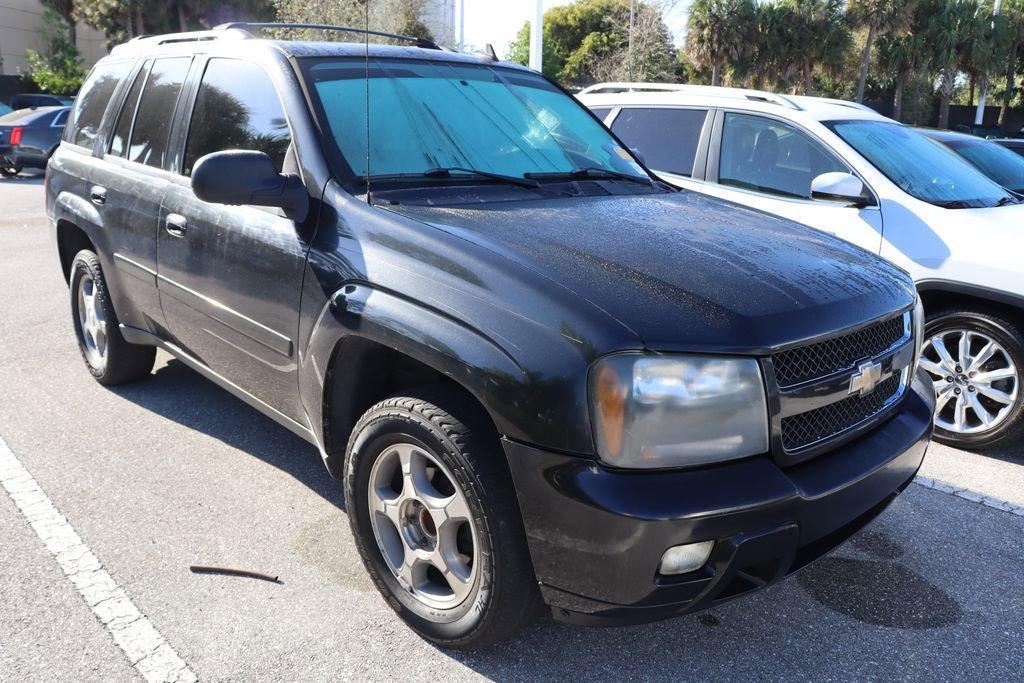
[842, 168]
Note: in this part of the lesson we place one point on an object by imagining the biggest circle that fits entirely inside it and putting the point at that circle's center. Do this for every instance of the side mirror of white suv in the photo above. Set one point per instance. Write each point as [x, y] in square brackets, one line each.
[839, 186]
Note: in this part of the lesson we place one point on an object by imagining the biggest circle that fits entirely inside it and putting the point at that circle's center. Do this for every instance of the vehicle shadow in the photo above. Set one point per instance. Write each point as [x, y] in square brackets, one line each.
[176, 392]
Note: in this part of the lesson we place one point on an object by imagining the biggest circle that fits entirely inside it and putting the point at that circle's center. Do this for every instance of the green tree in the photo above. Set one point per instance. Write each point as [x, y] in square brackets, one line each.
[824, 37]
[947, 34]
[59, 68]
[720, 33]
[901, 54]
[589, 40]
[879, 17]
[1013, 11]
[776, 57]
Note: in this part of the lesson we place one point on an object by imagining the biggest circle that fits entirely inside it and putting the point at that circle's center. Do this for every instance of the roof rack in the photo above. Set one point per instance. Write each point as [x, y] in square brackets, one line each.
[686, 88]
[259, 25]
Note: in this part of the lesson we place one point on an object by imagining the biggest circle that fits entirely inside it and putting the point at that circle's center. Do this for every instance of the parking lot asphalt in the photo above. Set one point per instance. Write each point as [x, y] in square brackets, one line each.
[172, 471]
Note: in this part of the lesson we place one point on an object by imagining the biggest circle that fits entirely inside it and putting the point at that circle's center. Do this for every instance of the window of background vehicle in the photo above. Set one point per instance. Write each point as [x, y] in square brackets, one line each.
[919, 166]
[156, 108]
[601, 112]
[123, 127]
[766, 155]
[667, 138]
[92, 102]
[998, 163]
[427, 115]
[60, 119]
[237, 108]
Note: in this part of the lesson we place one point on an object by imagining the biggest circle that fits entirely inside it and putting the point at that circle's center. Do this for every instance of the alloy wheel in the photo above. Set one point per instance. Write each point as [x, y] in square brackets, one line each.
[422, 524]
[975, 380]
[92, 321]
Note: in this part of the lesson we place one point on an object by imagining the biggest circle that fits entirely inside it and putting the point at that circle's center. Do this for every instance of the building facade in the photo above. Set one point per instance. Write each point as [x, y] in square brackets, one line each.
[20, 21]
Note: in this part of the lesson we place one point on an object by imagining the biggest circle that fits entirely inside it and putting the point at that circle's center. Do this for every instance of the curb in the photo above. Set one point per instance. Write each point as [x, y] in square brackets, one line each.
[973, 496]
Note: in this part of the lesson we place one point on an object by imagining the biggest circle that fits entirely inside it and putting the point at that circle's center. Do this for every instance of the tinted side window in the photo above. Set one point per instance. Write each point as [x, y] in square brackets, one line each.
[769, 156]
[60, 119]
[601, 112]
[156, 107]
[123, 127]
[237, 108]
[667, 138]
[92, 102]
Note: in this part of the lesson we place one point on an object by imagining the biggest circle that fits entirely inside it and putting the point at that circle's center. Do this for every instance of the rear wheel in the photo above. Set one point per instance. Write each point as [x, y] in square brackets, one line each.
[975, 361]
[109, 358]
[433, 510]
[9, 171]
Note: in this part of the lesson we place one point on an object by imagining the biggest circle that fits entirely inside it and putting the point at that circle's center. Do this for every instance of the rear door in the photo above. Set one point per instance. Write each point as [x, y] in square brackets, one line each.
[671, 140]
[230, 277]
[767, 163]
[128, 186]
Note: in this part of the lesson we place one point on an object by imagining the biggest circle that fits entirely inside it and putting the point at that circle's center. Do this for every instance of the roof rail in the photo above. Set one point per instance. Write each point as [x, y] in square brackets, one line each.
[246, 25]
[186, 37]
[840, 103]
[690, 89]
[598, 88]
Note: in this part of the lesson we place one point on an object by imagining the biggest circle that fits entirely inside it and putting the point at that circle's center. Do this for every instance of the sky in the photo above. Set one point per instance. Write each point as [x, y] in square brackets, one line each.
[498, 21]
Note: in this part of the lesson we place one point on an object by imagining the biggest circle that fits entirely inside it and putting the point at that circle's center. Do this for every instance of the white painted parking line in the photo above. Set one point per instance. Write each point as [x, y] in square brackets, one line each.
[145, 648]
[968, 494]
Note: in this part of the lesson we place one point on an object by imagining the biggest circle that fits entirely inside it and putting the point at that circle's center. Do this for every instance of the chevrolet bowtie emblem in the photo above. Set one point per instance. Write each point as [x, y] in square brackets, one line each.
[867, 376]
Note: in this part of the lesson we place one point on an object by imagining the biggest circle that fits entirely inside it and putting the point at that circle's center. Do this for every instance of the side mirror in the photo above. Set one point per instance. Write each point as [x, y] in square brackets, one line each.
[246, 177]
[841, 187]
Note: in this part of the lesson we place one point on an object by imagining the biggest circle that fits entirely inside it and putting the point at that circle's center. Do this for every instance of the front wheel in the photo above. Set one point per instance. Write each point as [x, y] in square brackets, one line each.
[433, 510]
[975, 360]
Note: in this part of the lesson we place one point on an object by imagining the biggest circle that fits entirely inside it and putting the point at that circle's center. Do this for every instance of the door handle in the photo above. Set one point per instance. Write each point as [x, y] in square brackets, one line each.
[176, 225]
[98, 194]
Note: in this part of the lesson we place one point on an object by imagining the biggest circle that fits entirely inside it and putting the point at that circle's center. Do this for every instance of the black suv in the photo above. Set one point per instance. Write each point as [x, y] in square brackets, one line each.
[543, 375]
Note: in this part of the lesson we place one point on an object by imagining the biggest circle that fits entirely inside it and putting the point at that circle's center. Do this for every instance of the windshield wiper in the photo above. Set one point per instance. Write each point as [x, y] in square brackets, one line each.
[591, 173]
[457, 172]
[955, 204]
[1007, 200]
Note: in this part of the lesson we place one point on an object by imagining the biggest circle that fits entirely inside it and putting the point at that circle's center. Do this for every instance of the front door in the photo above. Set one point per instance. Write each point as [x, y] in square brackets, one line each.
[768, 164]
[230, 276]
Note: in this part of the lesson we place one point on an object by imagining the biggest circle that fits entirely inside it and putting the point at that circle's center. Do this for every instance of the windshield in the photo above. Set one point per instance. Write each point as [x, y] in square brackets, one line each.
[995, 161]
[427, 115]
[920, 166]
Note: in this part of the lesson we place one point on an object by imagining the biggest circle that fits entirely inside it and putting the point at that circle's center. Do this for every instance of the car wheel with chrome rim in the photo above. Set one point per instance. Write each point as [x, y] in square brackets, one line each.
[974, 360]
[433, 510]
[108, 356]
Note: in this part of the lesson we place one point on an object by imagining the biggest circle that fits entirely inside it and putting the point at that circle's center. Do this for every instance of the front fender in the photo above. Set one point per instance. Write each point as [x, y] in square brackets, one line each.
[530, 405]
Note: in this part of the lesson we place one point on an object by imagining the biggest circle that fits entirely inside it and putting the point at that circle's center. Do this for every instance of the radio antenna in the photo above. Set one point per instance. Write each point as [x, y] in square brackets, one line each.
[366, 67]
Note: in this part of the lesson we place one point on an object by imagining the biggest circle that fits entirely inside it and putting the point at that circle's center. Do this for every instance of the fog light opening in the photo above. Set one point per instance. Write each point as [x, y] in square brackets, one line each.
[683, 559]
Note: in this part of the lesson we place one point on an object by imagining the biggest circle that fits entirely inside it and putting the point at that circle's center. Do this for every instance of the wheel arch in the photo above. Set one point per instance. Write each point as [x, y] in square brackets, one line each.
[939, 294]
[71, 239]
[369, 344]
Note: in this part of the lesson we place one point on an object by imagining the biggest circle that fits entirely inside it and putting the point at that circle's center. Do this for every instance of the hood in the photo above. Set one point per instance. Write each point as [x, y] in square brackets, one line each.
[684, 271]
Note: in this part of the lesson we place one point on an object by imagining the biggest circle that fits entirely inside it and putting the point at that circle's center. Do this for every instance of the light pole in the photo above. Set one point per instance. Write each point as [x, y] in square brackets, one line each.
[537, 37]
[979, 115]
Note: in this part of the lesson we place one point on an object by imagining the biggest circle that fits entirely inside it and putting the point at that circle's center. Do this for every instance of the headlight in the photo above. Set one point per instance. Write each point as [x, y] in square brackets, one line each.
[674, 411]
[917, 329]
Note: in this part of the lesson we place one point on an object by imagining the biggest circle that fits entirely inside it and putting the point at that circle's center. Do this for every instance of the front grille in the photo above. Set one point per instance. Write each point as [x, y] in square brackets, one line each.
[822, 423]
[836, 354]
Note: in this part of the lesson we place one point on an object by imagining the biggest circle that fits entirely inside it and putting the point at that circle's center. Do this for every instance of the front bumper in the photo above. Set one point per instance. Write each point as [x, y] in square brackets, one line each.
[596, 535]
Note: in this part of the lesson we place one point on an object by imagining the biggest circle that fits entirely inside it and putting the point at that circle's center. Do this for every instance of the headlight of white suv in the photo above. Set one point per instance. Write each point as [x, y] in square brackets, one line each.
[677, 410]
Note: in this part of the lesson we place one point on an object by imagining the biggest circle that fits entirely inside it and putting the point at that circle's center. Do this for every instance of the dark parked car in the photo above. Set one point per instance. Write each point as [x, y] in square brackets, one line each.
[35, 100]
[29, 136]
[993, 159]
[543, 375]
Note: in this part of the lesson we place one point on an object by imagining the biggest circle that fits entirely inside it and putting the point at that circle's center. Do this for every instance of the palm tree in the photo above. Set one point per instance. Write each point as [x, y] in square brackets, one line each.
[718, 33]
[822, 34]
[948, 33]
[879, 17]
[776, 54]
[1013, 11]
[901, 53]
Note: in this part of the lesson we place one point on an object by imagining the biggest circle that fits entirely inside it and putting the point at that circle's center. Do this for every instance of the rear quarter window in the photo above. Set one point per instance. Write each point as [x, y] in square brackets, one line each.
[666, 138]
[91, 103]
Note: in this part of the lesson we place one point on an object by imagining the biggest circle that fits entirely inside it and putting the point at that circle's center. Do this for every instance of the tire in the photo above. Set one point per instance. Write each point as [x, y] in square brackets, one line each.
[110, 359]
[456, 444]
[10, 171]
[1001, 399]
